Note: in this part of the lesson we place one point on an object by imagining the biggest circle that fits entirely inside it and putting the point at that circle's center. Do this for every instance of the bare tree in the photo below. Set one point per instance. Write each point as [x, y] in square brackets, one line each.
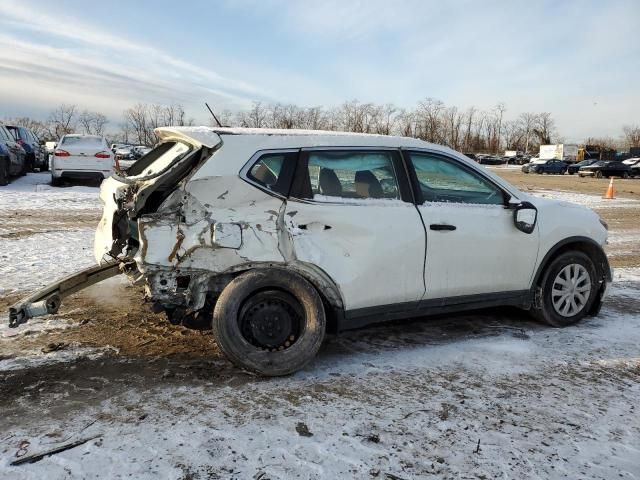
[544, 128]
[92, 123]
[62, 120]
[527, 123]
[500, 108]
[632, 135]
[36, 126]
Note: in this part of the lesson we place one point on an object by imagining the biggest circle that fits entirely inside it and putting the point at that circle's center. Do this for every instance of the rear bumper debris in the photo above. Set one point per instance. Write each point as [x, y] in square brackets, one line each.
[48, 300]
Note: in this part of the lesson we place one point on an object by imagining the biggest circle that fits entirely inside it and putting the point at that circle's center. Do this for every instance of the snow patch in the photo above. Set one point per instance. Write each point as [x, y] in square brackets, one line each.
[34, 192]
[591, 201]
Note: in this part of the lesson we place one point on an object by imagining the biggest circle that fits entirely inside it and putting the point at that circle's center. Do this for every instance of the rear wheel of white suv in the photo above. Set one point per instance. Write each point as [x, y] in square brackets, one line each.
[270, 321]
[568, 289]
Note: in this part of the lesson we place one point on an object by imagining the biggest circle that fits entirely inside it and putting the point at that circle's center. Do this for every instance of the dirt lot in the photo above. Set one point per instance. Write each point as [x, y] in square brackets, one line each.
[470, 396]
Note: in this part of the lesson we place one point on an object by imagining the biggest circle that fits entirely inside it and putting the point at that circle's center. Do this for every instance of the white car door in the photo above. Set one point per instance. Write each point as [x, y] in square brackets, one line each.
[473, 246]
[348, 217]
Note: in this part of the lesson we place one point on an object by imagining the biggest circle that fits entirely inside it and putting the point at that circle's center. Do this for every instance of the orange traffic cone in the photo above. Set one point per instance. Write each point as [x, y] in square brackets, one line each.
[610, 191]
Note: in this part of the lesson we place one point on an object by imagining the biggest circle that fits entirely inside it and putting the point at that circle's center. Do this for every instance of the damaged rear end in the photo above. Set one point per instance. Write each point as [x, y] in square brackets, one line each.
[147, 224]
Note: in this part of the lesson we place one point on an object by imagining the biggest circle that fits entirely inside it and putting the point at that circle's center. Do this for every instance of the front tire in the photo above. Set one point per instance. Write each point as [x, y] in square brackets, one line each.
[598, 174]
[568, 289]
[269, 321]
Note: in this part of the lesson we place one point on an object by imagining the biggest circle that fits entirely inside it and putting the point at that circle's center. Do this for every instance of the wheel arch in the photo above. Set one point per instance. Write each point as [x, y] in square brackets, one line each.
[325, 286]
[582, 244]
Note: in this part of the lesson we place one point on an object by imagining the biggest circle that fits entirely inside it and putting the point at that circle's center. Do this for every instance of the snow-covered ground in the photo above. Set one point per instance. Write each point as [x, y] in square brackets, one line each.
[484, 395]
[591, 201]
[31, 255]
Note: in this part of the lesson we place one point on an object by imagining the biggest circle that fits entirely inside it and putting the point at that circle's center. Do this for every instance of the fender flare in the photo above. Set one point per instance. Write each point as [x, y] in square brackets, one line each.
[585, 244]
[323, 283]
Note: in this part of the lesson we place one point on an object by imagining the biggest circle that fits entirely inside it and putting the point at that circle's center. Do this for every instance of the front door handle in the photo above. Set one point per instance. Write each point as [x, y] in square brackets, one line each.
[442, 227]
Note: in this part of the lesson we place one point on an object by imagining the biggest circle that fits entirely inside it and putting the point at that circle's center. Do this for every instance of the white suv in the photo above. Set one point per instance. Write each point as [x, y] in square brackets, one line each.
[274, 237]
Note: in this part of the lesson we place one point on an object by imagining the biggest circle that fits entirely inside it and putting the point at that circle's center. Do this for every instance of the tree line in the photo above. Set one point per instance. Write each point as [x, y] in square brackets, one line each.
[468, 130]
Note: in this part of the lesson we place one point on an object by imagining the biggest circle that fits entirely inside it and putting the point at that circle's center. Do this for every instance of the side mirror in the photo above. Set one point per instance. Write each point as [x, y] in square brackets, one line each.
[525, 216]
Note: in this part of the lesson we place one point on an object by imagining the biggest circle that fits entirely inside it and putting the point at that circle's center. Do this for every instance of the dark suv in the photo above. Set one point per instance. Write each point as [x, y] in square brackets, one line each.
[36, 154]
[12, 157]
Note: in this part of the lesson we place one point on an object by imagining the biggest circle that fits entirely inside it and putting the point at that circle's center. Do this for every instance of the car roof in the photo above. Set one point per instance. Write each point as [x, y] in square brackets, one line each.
[296, 138]
[81, 135]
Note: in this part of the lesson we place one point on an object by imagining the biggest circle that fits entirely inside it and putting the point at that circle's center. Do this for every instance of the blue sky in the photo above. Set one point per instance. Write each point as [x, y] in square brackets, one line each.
[579, 60]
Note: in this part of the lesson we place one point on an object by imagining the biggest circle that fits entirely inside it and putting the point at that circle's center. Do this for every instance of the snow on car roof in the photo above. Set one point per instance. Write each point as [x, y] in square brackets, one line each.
[208, 135]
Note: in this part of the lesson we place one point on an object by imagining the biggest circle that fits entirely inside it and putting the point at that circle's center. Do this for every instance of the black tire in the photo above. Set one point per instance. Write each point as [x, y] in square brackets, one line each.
[4, 172]
[30, 160]
[546, 311]
[625, 175]
[55, 182]
[563, 171]
[245, 296]
[598, 174]
[25, 167]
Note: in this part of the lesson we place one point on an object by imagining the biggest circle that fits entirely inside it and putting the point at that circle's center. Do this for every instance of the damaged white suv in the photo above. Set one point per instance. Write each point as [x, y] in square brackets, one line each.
[272, 238]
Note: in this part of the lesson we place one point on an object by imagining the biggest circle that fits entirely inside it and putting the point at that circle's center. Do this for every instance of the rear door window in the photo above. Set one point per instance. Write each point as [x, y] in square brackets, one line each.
[330, 176]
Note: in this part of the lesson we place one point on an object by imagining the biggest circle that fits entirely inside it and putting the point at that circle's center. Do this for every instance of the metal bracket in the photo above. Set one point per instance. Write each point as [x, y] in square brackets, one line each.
[48, 300]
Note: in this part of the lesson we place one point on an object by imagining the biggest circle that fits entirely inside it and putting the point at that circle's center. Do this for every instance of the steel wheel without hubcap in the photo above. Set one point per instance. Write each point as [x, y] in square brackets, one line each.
[271, 320]
[571, 290]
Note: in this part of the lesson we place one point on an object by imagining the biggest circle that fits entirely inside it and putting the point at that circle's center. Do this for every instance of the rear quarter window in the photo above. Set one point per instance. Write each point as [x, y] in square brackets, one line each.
[273, 171]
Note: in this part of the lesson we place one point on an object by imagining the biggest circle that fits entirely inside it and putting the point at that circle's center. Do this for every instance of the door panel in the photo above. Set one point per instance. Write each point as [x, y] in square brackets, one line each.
[348, 214]
[484, 254]
[374, 253]
[473, 246]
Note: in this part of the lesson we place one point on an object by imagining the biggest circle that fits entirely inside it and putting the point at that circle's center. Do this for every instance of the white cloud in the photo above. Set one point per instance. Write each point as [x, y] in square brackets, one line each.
[92, 66]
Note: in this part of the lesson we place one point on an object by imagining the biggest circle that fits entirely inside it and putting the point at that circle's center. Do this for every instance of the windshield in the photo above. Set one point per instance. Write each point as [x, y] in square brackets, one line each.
[81, 141]
[158, 159]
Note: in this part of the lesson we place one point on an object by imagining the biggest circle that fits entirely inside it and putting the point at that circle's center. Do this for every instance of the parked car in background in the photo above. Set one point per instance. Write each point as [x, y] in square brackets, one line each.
[136, 154]
[140, 151]
[574, 167]
[116, 146]
[604, 168]
[489, 160]
[548, 166]
[472, 156]
[123, 152]
[526, 168]
[85, 157]
[13, 158]
[271, 239]
[35, 151]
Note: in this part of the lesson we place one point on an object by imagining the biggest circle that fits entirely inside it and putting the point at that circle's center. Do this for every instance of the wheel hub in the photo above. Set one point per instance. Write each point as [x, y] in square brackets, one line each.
[571, 289]
[271, 320]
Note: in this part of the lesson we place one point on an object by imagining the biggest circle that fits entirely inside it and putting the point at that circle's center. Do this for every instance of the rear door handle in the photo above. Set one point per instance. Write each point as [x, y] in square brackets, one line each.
[316, 226]
[441, 227]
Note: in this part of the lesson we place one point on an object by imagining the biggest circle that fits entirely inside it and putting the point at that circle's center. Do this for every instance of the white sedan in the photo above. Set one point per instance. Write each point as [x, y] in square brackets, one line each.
[84, 157]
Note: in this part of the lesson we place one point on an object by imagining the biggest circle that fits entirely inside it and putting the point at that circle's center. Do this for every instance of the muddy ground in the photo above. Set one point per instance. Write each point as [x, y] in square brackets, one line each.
[131, 349]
